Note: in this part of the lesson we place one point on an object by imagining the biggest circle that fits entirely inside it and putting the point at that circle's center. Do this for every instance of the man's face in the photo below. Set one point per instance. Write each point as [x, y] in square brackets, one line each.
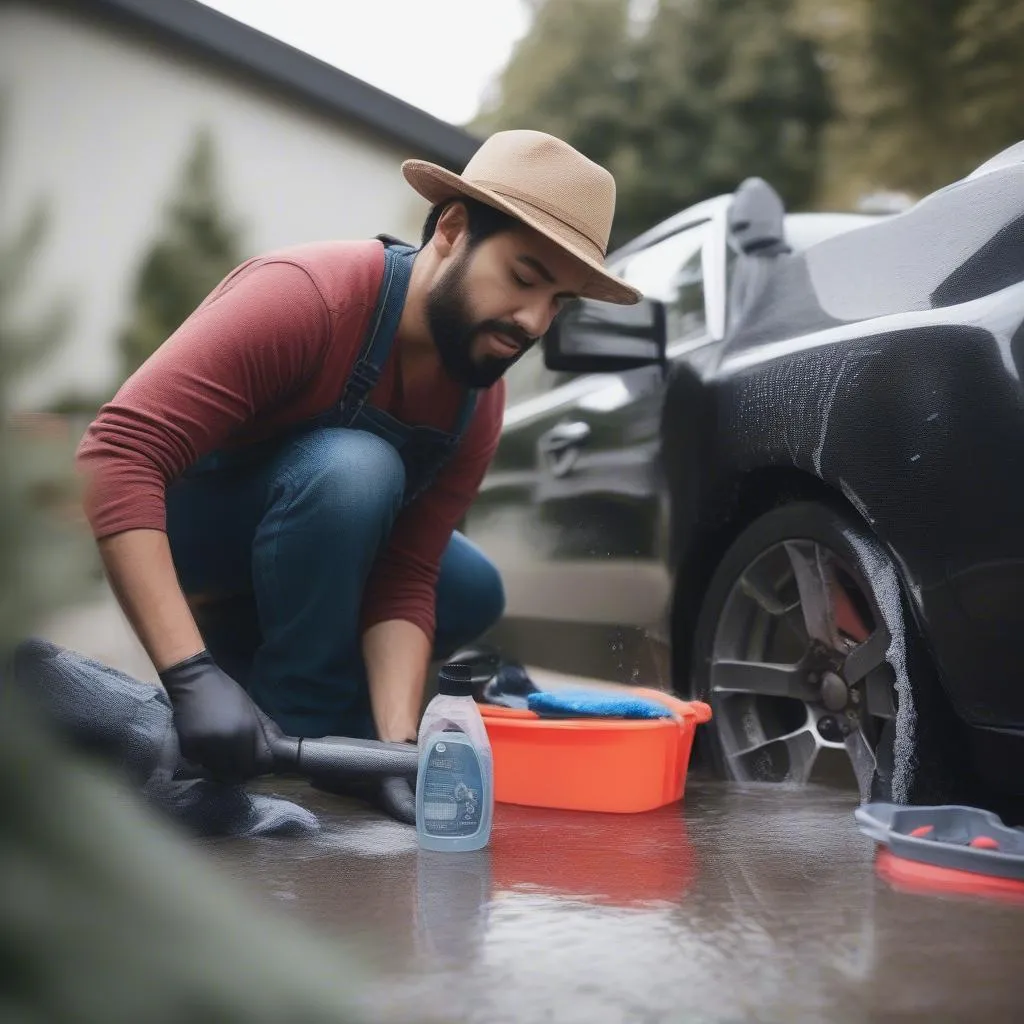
[493, 302]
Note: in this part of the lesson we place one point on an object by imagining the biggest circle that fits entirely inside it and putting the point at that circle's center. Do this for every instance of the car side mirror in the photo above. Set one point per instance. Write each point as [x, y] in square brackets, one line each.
[757, 218]
[589, 336]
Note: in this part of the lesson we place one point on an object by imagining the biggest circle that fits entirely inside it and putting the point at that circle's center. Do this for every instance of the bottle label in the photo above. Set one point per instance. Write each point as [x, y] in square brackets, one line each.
[452, 787]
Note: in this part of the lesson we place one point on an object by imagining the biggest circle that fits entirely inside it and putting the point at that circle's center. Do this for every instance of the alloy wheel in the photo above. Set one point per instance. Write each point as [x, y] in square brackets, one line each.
[799, 680]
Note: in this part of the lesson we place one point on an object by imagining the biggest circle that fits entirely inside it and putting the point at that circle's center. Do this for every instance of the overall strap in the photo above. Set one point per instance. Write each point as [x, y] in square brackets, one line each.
[454, 439]
[443, 447]
[380, 335]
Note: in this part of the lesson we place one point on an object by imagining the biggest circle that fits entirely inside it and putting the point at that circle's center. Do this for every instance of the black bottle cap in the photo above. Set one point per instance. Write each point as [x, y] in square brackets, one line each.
[455, 680]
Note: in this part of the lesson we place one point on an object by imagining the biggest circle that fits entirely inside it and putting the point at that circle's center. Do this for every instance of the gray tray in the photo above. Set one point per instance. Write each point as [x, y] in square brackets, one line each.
[947, 845]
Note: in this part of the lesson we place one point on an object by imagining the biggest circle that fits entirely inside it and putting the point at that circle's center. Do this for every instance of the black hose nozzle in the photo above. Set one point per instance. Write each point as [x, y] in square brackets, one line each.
[342, 757]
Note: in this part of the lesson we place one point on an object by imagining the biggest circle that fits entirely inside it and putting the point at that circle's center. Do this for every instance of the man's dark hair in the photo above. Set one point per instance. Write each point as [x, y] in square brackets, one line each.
[484, 221]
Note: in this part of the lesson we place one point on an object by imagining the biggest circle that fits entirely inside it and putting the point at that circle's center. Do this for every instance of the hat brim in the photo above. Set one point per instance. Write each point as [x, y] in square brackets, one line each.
[437, 185]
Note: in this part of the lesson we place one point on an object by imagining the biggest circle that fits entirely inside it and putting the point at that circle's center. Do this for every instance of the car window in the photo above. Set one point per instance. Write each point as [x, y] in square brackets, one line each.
[672, 271]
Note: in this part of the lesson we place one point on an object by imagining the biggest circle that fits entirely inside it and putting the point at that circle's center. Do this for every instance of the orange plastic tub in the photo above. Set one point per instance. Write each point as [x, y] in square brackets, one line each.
[593, 764]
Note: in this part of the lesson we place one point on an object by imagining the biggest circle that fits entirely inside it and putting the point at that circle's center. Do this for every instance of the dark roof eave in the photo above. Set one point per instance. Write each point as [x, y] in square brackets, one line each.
[203, 30]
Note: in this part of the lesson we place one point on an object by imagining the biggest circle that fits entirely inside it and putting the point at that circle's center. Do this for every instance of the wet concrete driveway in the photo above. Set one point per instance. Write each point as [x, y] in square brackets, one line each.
[743, 904]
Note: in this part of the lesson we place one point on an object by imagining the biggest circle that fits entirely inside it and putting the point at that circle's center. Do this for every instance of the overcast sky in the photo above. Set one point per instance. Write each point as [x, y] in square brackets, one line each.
[439, 55]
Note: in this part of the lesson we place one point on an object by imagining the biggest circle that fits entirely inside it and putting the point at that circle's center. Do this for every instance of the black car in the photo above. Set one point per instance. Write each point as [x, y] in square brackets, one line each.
[798, 466]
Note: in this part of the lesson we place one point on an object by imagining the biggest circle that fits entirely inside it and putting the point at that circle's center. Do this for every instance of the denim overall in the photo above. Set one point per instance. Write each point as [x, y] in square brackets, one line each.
[424, 450]
[280, 537]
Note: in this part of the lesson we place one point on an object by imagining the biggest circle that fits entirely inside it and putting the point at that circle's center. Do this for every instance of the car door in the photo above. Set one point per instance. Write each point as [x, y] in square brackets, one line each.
[572, 510]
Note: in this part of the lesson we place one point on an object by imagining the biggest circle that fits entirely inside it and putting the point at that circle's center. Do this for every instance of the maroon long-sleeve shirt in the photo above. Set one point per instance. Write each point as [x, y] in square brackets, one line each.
[272, 346]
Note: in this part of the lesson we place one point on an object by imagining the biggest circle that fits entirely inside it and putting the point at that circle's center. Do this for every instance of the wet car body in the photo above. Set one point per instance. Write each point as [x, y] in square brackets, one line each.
[575, 509]
[871, 368]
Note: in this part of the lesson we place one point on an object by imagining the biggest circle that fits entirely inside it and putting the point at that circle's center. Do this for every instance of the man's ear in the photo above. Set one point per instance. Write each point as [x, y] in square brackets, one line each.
[452, 227]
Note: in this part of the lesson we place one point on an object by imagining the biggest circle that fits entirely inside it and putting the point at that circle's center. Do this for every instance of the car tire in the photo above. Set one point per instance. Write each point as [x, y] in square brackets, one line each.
[759, 734]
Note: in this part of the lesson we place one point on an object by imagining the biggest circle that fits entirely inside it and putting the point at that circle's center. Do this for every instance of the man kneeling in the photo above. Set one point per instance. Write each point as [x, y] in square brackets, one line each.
[275, 491]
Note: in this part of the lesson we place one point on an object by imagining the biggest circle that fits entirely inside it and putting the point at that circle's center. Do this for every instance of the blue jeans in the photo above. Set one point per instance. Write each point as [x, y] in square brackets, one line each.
[280, 548]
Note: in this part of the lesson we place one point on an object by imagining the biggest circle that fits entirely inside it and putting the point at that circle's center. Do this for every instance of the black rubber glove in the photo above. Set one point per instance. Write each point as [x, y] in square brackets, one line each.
[217, 723]
[395, 795]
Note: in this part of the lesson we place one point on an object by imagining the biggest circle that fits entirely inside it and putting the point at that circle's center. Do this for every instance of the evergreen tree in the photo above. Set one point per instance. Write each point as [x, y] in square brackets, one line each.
[41, 559]
[827, 99]
[680, 105]
[568, 76]
[198, 247]
[911, 114]
[990, 72]
[925, 91]
[106, 915]
[728, 89]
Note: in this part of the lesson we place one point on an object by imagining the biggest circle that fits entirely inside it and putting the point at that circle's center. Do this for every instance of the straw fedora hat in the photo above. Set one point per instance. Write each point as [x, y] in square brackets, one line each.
[549, 186]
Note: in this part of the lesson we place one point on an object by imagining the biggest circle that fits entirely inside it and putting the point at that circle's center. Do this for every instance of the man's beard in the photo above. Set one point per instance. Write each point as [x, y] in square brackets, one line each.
[454, 332]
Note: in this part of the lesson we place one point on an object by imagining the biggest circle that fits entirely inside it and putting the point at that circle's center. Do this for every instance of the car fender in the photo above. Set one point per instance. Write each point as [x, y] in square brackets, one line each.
[909, 430]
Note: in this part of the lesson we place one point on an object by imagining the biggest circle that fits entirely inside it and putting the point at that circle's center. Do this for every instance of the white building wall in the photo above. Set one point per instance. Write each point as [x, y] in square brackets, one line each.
[99, 124]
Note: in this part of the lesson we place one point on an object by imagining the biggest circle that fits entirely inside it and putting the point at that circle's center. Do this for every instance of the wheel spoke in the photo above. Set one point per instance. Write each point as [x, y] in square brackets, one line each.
[760, 583]
[863, 759]
[866, 657]
[788, 758]
[880, 692]
[765, 679]
[814, 581]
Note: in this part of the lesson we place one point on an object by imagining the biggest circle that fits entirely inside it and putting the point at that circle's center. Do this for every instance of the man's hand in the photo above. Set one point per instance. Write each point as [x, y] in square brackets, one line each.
[397, 654]
[217, 723]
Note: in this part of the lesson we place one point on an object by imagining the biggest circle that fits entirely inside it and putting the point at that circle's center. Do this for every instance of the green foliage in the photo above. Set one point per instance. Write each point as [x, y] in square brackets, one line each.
[106, 915]
[43, 559]
[109, 917]
[729, 89]
[679, 107]
[945, 81]
[198, 247]
[826, 99]
[27, 341]
[570, 76]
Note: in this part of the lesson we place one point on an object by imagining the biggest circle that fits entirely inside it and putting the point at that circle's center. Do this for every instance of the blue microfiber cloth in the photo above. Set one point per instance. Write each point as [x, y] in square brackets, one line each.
[594, 704]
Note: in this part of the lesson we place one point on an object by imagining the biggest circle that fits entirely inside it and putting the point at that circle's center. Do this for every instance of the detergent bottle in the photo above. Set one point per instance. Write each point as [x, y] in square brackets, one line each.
[455, 780]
